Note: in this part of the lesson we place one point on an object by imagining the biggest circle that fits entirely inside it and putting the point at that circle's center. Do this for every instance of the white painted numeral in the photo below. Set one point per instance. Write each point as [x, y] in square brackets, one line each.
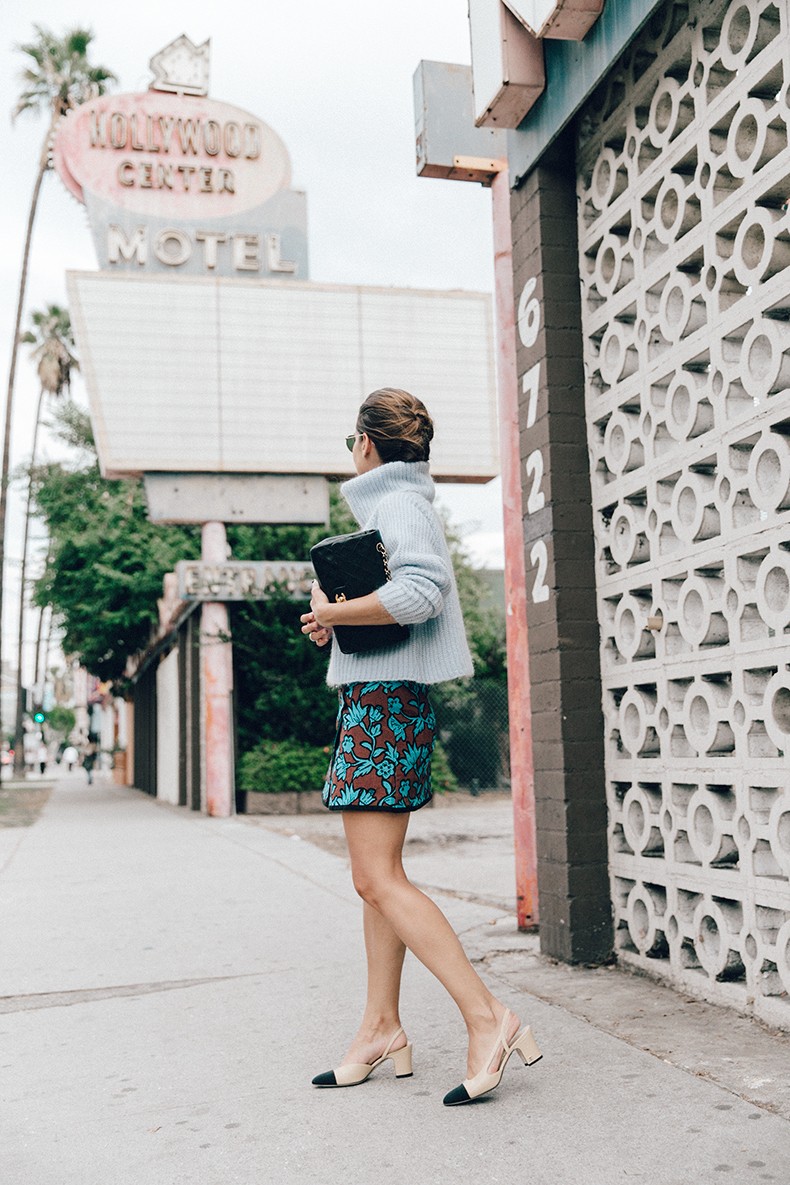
[540, 556]
[530, 384]
[528, 330]
[536, 499]
[529, 314]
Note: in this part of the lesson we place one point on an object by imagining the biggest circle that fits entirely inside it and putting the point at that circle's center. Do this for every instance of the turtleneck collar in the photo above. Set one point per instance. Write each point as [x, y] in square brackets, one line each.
[364, 492]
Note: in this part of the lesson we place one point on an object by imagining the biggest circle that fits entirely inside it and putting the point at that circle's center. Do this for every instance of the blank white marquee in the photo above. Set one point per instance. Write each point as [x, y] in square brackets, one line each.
[218, 375]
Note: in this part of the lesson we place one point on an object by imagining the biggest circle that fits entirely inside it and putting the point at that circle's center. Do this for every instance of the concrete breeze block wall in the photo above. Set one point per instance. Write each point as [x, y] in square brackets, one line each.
[684, 248]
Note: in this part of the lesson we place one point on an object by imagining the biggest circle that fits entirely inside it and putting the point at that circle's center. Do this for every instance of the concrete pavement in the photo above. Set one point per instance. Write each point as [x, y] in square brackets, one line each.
[170, 984]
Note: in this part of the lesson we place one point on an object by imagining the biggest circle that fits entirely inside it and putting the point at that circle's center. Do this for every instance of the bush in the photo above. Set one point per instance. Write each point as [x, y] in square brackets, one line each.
[274, 767]
[443, 780]
[61, 720]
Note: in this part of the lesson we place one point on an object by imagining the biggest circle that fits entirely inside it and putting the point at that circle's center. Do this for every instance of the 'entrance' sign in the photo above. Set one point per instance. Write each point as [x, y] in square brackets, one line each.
[239, 581]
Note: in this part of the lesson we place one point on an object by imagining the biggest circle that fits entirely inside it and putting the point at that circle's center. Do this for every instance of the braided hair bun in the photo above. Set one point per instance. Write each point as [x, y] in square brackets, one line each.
[398, 424]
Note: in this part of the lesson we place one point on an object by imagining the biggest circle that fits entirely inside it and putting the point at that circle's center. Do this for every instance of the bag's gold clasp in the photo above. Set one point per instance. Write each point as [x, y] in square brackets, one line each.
[340, 597]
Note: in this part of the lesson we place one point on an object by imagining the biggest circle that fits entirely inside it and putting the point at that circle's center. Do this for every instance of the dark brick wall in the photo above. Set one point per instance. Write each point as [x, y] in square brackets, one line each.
[567, 722]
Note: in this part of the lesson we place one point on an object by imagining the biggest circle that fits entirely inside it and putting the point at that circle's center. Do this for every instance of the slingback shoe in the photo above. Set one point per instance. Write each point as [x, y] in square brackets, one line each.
[523, 1044]
[353, 1074]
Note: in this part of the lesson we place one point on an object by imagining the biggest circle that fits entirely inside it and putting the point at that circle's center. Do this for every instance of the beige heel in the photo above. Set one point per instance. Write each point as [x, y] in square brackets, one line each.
[526, 1047]
[352, 1075]
[401, 1059]
[472, 1088]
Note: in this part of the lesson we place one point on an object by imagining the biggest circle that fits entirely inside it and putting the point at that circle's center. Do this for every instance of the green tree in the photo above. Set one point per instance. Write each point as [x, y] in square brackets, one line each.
[53, 354]
[57, 77]
[106, 560]
[61, 720]
[280, 677]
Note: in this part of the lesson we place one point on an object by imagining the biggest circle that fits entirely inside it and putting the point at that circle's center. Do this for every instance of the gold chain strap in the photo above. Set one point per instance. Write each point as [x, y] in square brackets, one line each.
[381, 548]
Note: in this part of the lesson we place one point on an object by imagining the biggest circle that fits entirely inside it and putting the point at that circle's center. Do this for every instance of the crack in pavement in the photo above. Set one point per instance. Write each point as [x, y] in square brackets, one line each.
[463, 895]
[33, 1000]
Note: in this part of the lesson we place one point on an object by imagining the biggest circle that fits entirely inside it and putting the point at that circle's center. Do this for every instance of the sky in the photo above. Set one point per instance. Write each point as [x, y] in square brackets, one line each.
[335, 82]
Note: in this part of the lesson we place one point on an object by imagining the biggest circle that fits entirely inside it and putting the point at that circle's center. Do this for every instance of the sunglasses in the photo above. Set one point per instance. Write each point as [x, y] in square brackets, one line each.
[350, 441]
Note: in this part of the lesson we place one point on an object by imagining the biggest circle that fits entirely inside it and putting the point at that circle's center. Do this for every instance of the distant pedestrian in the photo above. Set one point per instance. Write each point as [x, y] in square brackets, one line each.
[70, 756]
[381, 765]
[42, 758]
[89, 758]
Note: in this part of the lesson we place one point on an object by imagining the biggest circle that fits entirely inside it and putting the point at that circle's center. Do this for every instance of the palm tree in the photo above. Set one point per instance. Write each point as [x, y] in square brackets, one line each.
[54, 342]
[58, 77]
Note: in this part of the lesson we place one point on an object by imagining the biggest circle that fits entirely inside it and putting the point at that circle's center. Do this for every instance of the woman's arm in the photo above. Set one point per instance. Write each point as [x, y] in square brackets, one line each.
[366, 610]
[419, 561]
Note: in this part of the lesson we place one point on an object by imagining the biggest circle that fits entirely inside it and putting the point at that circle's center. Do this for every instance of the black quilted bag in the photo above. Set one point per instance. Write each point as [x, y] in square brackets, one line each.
[351, 566]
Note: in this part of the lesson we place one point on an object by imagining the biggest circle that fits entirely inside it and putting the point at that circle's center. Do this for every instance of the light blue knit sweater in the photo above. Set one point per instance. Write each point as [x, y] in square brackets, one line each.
[398, 499]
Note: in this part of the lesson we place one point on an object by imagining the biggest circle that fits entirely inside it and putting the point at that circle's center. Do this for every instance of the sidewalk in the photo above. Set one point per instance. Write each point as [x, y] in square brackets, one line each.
[170, 983]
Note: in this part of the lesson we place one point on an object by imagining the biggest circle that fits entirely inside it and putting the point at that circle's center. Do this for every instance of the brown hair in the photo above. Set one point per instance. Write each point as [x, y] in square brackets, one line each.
[398, 424]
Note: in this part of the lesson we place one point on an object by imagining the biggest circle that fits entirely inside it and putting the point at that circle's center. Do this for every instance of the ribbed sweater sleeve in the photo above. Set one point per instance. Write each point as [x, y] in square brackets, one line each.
[421, 579]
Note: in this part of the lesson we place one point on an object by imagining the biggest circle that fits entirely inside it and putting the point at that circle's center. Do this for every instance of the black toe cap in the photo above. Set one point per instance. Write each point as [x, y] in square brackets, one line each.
[327, 1079]
[456, 1096]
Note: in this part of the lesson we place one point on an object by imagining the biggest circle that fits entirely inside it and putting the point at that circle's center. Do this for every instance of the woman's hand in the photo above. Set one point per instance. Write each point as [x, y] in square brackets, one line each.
[315, 632]
[318, 603]
[326, 614]
[311, 625]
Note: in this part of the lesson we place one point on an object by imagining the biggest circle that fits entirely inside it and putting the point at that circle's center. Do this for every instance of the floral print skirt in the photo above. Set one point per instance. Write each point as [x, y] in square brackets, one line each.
[382, 754]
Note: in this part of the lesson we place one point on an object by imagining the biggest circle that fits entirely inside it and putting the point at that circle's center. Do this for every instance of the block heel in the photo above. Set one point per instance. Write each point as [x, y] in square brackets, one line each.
[401, 1059]
[526, 1047]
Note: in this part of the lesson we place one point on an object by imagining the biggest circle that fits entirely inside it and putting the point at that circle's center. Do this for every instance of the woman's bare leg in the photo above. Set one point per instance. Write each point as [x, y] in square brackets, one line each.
[381, 1019]
[375, 844]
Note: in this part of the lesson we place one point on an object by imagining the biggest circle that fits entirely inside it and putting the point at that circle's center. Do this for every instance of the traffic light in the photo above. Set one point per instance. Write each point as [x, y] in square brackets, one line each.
[39, 716]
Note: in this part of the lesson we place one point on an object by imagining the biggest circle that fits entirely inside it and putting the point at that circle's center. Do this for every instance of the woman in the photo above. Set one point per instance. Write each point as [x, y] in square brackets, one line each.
[380, 770]
[89, 758]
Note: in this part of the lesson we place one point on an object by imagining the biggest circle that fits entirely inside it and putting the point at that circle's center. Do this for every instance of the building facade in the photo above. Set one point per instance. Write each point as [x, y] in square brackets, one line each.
[651, 259]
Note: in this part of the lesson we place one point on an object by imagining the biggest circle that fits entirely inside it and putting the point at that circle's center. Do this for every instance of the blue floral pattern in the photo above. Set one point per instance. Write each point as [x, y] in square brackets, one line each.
[382, 754]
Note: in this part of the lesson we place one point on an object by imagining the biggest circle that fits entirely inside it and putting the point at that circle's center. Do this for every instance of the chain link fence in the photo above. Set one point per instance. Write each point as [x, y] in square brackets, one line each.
[472, 722]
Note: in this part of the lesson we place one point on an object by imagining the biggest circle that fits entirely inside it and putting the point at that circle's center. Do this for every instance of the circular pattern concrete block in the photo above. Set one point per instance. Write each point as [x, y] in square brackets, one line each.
[764, 361]
[698, 622]
[716, 934]
[776, 710]
[705, 718]
[640, 822]
[627, 540]
[693, 516]
[637, 731]
[688, 412]
[632, 637]
[709, 840]
[769, 473]
[772, 590]
[644, 920]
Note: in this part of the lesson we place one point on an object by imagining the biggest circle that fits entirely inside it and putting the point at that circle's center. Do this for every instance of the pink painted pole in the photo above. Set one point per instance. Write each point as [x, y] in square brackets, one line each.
[216, 663]
[521, 768]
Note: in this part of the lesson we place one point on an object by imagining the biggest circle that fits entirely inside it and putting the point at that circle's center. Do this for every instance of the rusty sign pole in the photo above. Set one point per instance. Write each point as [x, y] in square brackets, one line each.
[450, 146]
[519, 695]
[216, 663]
